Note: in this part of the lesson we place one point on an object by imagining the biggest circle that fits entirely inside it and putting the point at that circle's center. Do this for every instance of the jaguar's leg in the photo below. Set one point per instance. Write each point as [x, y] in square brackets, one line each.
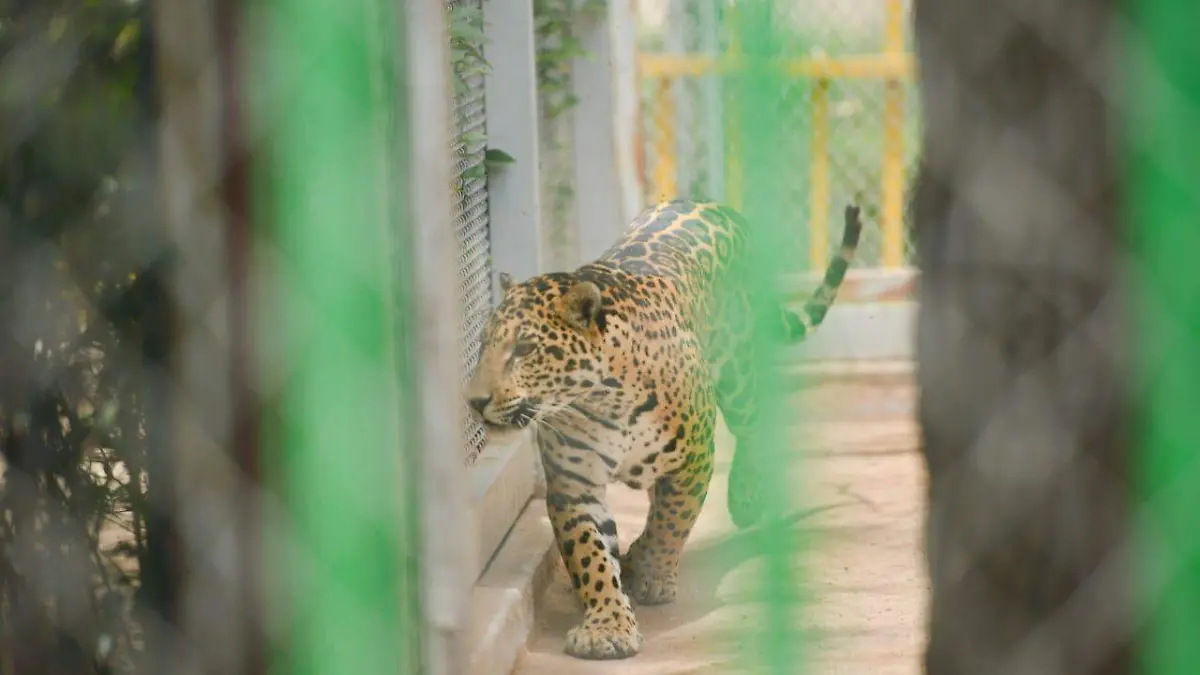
[731, 352]
[587, 540]
[651, 565]
[738, 389]
[738, 395]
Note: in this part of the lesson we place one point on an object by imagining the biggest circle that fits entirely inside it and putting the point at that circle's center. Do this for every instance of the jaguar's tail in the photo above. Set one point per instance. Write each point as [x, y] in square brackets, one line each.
[797, 325]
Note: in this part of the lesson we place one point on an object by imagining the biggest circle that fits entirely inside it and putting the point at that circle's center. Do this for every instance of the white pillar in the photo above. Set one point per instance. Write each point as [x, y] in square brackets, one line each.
[607, 192]
[514, 194]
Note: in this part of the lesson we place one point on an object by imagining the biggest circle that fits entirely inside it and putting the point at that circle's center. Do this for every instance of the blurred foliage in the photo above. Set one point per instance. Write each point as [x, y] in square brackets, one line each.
[467, 40]
[78, 334]
[555, 28]
[557, 48]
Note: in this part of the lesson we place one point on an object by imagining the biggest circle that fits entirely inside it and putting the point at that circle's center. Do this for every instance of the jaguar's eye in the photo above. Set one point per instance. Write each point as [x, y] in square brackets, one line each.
[523, 349]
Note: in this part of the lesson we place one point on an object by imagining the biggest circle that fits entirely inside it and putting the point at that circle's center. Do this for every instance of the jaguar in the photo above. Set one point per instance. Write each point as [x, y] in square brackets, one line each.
[619, 368]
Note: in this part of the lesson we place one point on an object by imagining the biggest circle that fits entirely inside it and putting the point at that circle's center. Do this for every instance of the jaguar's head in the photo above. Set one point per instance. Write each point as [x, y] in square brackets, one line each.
[541, 352]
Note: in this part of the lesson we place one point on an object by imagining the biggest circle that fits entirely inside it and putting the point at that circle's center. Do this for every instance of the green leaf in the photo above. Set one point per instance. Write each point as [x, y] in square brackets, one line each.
[558, 48]
[476, 68]
[497, 156]
[477, 171]
[473, 52]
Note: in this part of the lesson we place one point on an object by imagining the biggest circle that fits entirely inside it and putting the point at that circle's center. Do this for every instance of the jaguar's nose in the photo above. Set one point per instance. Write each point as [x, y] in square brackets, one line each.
[480, 403]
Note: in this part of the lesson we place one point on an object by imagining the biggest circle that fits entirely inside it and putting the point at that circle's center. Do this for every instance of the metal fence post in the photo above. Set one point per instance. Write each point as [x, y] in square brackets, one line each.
[892, 192]
[448, 569]
[503, 478]
[447, 561]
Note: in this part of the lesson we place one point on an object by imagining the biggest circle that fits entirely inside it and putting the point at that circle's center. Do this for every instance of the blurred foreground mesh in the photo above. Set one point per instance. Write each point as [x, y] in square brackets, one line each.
[1021, 345]
[114, 346]
[100, 325]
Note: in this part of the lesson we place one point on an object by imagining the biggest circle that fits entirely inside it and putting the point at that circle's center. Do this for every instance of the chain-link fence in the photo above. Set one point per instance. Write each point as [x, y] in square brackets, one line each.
[154, 201]
[471, 214]
[210, 404]
[851, 108]
[84, 341]
[1044, 553]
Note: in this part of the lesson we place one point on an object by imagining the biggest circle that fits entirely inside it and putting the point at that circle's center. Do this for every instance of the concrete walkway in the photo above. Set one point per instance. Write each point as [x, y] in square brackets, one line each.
[861, 470]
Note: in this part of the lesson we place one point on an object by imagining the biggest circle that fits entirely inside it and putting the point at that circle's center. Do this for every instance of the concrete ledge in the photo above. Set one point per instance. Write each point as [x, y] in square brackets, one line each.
[502, 602]
[861, 285]
[868, 331]
[874, 371]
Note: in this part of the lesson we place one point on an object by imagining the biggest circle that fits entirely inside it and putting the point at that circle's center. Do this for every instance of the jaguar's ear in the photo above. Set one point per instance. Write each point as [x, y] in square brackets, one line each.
[581, 305]
[506, 282]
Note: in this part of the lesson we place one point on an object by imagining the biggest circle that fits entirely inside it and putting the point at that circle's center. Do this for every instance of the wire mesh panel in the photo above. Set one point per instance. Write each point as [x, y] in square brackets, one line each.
[471, 225]
[849, 104]
[852, 145]
[122, 345]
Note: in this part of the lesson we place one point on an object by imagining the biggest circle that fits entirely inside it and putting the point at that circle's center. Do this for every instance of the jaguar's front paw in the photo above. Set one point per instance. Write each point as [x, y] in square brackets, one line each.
[595, 640]
[647, 580]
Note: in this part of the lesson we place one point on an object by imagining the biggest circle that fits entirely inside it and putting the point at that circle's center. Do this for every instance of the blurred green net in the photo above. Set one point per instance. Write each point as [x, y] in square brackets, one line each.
[772, 642]
[334, 150]
[334, 195]
[354, 367]
[1161, 69]
[346, 568]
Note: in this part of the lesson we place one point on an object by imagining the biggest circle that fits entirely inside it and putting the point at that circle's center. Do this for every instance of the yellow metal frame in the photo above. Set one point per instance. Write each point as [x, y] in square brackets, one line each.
[871, 66]
[895, 66]
[664, 143]
[892, 189]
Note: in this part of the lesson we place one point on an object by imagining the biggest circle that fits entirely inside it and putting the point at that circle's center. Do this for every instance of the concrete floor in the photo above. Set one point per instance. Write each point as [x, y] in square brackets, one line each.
[859, 464]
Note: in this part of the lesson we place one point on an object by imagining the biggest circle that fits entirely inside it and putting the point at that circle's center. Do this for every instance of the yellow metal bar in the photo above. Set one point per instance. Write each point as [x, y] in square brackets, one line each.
[894, 27]
[893, 36]
[892, 178]
[874, 66]
[892, 216]
[818, 175]
[734, 184]
[665, 172]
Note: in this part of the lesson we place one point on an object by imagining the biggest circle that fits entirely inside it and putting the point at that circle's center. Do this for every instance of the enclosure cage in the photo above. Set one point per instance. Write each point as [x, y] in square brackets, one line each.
[254, 246]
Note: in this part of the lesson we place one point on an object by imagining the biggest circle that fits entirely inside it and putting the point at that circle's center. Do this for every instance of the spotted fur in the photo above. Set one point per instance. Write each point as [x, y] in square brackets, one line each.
[620, 367]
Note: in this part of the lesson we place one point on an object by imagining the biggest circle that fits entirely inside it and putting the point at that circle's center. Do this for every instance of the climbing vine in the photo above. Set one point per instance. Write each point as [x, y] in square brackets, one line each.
[467, 39]
[557, 45]
[556, 27]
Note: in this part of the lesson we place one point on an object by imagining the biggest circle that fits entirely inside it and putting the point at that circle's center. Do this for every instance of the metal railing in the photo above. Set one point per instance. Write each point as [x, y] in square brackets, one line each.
[893, 67]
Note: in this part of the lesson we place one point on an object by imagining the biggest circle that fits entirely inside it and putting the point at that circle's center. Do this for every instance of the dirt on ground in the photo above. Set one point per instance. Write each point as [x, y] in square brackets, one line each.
[861, 476]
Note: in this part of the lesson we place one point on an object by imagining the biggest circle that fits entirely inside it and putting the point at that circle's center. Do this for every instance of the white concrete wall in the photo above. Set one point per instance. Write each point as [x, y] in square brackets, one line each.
[874, 317]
